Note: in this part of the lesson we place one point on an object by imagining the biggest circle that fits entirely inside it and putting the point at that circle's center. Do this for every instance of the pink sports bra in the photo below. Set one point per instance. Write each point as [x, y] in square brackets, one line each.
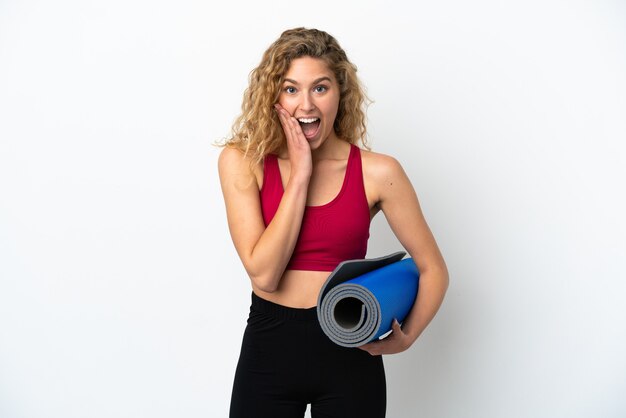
[330, 233]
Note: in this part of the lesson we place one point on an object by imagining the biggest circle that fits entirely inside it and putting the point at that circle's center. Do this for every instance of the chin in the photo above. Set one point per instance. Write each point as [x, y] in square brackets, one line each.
[314, 145]
[317, 143]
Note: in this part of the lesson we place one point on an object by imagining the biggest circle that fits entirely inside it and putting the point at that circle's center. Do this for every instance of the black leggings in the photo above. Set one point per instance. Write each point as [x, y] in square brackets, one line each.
[287, 362]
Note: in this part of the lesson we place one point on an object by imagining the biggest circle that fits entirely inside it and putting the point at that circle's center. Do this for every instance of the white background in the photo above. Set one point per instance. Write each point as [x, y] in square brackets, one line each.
[121, 294]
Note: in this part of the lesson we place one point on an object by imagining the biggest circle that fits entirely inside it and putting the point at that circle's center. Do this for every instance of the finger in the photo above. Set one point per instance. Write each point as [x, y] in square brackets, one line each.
[291, 125]
[285, 121]
[297, 130]
[283, 117]
[365, 347]
[288, 119]
[396, 326]
[282, 114]
[375, 348]
[369, 351]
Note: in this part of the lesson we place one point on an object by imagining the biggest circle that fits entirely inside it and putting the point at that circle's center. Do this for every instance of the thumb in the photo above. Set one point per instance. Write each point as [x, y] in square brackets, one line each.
[395, 325]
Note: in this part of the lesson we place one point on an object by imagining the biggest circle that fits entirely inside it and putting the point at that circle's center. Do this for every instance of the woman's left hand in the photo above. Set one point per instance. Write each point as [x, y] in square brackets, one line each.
[396, 342]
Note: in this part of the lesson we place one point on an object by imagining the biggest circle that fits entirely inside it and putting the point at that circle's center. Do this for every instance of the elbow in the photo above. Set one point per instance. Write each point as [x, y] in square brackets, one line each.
[267, 288]
[445, 278]
[441, 271]
[438, 276]
[264, 277]
[265, 283]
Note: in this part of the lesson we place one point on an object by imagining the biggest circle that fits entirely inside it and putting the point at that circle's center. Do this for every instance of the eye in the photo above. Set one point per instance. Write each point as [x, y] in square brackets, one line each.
[290, 90]
[321, 89]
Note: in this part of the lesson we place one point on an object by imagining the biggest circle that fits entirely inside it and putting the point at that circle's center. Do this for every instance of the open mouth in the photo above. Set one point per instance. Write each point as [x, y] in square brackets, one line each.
[310, 126]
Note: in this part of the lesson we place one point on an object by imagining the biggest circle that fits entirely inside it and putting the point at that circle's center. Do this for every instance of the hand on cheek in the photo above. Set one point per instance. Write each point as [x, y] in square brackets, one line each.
[297, 146]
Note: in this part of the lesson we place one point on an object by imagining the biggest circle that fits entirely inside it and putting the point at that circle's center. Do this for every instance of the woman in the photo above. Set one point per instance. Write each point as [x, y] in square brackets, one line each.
[299, 198]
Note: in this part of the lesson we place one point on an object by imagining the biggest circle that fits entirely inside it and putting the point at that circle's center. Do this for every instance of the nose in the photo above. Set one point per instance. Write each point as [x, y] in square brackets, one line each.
[307, 104]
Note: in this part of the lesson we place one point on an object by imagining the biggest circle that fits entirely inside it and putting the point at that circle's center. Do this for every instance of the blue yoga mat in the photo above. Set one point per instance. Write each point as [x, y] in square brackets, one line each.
[361, 298]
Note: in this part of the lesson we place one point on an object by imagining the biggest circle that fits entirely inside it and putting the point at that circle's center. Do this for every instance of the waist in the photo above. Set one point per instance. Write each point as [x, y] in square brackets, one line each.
[297, 288]
[276, 310]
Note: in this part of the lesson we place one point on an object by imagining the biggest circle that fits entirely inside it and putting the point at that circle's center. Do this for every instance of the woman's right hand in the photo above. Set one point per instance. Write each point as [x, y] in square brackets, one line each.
[298, 148]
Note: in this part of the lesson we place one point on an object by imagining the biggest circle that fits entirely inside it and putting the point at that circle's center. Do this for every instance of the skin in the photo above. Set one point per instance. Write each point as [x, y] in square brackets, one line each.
[312, 171]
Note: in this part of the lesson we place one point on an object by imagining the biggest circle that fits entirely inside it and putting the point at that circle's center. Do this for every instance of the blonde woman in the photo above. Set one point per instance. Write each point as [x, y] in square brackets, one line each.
[300, 194]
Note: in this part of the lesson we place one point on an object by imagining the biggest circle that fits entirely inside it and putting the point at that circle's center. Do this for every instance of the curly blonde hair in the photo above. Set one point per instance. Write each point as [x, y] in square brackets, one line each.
[258, 132]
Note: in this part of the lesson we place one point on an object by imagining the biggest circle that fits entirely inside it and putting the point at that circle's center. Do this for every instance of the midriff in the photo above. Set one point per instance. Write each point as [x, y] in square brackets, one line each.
[297, 288]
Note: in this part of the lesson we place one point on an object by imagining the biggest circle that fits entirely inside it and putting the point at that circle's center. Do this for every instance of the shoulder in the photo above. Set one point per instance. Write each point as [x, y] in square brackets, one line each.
[380, 167]
[383, 177]
[229, 157]
[233, 163]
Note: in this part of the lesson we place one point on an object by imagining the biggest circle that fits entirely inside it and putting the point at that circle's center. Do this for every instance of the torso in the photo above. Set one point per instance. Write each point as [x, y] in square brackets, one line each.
[300, 288]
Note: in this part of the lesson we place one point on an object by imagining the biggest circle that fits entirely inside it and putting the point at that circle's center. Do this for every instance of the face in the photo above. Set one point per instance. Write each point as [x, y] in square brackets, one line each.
[310, 93]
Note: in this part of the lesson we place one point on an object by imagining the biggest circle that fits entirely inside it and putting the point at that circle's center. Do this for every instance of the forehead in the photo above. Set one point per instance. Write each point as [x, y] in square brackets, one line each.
[305, 69]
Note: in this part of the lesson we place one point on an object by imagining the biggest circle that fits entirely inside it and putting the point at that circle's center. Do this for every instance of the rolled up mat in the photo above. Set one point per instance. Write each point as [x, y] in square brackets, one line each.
[360, 299]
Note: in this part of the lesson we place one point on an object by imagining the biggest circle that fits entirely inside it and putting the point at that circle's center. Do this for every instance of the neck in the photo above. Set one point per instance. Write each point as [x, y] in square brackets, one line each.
[331, 149]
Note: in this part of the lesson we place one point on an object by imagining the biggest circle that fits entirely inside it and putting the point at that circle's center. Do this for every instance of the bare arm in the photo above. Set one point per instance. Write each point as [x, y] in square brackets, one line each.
[263, 251]
[399, 203]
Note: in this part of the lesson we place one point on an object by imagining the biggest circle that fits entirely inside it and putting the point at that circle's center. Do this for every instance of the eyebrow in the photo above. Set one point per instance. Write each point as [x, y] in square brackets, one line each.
[318, 80]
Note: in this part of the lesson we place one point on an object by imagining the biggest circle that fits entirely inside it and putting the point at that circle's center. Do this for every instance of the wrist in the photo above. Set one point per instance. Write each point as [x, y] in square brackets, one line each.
[299, 179]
